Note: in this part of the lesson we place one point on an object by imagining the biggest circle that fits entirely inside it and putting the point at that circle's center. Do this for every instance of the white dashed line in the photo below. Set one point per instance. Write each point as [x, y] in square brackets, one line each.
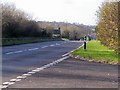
[57, 44]
[71, 51]
[44, 47]
[33, 49]
[35, 70]
[11, 83]
[52, 45]
[39, 68]
[14, 52]
[26, 74]
[19, 78]
[51, 64]
[6, 83]
[13, 80]
[66, 54]
[31, 72]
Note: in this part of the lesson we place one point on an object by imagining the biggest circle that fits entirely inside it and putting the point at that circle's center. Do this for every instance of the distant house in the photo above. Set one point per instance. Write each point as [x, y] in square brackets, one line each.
[57, 33]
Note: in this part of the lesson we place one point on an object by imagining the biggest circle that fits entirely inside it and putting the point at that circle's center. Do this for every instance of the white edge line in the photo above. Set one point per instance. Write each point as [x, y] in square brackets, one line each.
[72, 51]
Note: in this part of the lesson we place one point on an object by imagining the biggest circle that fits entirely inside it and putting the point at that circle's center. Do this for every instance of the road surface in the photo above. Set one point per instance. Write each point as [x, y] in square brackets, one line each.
[46, 65]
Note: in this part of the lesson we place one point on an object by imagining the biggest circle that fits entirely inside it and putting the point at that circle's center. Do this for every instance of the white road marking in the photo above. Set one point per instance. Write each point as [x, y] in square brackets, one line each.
[52, 45]
[35, 70]
[14, 52]
[57, 44]
[44, 47]
[31, 72]
[32, 49]
[12, 81]
[71, 51]
[41, 68]
[21, 77]
[17, 80]
[46, 65]
[51, 63]
[26, 74]
[6, 83]
[66, 54]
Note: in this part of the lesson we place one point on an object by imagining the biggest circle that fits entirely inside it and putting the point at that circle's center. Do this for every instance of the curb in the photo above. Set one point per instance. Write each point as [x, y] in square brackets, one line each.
[93, 60]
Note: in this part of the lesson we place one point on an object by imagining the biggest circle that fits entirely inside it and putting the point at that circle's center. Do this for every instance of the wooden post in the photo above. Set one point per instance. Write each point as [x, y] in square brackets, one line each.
[85, 43]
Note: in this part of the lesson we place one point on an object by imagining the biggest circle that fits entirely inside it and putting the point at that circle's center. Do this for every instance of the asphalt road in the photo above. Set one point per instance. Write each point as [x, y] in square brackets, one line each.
[43, 65]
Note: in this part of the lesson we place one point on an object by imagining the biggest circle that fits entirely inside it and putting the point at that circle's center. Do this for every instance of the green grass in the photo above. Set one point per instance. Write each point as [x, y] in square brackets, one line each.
[18, 41]
[97, 51]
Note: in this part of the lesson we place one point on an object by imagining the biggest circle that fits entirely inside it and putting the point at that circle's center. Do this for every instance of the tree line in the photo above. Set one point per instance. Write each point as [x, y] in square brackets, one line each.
[72, 31]
[108, 24]
[18, 24]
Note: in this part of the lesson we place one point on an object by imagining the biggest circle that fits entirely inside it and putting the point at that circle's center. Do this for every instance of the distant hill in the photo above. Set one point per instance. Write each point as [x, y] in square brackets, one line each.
[68, 30]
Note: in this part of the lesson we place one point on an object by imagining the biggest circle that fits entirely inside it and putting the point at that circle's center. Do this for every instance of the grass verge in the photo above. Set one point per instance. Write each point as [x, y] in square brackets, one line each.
[18, 41]
[97, 52]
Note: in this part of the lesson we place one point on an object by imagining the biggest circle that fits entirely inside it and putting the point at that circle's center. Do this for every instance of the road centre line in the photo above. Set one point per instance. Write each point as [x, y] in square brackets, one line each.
[44, 47]
[52, 45]
[57, 44]
[32, 49]
[14, 52]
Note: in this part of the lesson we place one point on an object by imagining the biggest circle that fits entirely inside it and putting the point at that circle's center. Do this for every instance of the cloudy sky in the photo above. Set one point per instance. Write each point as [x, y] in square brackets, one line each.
[73, 11]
